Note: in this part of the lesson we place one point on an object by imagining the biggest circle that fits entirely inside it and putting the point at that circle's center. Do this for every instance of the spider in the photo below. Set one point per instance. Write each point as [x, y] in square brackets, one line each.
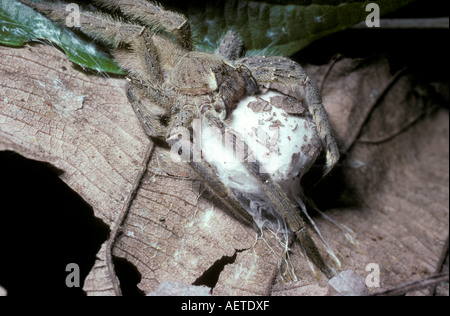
[169, 85]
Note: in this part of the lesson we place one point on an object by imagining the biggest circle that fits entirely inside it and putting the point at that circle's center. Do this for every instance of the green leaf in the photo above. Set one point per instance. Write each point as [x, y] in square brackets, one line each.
[20, 24]
[278, 27]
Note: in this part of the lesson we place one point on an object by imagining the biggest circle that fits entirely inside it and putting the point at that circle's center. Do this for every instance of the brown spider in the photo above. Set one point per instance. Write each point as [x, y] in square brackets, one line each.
[170, 85]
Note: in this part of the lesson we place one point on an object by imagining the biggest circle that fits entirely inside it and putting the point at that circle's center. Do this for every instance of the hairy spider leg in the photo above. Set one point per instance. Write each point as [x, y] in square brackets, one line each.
[150, 115]
[288, 77]
[144, 89]
[215, 184]
[99, 26]
[155, 17]
[183, 119]
[231, 46]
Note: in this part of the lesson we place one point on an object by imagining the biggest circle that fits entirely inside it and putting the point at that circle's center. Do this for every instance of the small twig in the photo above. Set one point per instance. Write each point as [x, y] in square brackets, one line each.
[121, 219]
[393, 80]
[441, 264]
[444, 255]
[414, 286]
[429, 23]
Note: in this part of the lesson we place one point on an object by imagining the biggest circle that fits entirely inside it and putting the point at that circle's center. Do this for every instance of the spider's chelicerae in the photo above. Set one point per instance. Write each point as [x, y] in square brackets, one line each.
[170, 85]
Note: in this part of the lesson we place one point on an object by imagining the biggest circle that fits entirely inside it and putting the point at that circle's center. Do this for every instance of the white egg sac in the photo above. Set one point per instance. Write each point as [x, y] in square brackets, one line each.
[286, 145]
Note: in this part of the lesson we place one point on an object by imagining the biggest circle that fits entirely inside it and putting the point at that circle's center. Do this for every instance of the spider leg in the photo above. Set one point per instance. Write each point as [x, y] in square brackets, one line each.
[152, 102]
[100, 26]
[184, 119]
[141, 59]
[154, 16]
[150, 115]
[216, 185]
[288, 77]
[230, 46]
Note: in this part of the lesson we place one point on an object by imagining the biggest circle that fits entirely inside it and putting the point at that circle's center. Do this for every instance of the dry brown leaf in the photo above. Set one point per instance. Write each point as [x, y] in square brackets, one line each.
[299, 288]
[99, 281]
[180, 289]
[175, 231]
[347, 283]
[79, 123]
[391, 189]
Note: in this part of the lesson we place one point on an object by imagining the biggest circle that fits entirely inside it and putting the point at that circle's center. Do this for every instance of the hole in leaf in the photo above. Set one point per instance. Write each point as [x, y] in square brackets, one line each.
[128, 276]
[210, 277]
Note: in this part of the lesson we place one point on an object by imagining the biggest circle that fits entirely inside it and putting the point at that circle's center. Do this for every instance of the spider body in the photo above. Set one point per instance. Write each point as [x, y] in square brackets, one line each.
[170, 85]
[181, 80]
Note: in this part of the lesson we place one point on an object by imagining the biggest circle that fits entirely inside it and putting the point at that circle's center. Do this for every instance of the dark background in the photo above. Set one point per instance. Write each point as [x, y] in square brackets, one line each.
[44, 225]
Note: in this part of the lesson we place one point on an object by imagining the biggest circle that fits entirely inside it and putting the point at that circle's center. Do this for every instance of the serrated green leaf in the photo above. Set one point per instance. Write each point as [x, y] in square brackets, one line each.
[20, 24]
[278, 27]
